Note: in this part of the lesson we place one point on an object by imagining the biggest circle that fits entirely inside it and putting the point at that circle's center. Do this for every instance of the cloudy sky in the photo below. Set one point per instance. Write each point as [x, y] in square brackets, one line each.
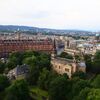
[60, 14]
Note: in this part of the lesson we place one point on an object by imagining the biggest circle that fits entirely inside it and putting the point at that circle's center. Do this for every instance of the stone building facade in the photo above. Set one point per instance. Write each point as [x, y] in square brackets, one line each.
[61, 66]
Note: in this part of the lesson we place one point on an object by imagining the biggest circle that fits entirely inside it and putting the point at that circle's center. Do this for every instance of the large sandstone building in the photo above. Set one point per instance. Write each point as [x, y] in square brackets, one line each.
[61, 66]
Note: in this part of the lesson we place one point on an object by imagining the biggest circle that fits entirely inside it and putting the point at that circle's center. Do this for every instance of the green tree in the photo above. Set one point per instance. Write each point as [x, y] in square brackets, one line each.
[28, 54]
[78, 86]
[77, 57]
[16, 57]
[37, 62]
[44, 61]
[96, 62]
[10, 65]
[88, 62]
[96, 82]
[43, 79]
[59, 88]
[94, 94]
[2, 67]
[32, 61]
[51, 76]
[79, 74]
[18, 91]
[4, 82]
[83, 94]
[33, 75]
[34, 69]
[66, 55]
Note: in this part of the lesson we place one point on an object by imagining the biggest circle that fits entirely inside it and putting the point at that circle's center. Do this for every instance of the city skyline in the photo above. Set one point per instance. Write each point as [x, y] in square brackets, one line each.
[55, 14]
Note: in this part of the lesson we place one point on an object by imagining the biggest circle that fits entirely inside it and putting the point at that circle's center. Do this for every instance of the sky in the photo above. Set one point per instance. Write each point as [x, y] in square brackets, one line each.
[57, 14]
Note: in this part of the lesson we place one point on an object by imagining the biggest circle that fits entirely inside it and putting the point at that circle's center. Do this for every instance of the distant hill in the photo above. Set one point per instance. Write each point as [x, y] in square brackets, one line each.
[14, 28]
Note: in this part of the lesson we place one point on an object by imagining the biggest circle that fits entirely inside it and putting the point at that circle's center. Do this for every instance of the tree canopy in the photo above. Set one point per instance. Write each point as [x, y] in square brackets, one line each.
[4, 82]
[66, 55]
[59, 88]
[18, 91]
[96, 62]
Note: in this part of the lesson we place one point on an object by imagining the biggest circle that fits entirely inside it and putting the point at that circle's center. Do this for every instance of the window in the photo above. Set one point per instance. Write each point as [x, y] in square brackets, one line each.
[55, 66]
[66, 69]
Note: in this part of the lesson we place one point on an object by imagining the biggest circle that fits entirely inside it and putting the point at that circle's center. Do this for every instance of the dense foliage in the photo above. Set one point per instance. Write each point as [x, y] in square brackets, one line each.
[93, 63]
[4, 82]
[66, 55]
[43, 83]
[18, 91]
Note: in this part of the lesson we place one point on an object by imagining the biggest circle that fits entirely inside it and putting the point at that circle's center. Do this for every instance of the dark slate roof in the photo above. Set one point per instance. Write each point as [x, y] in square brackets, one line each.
[23, 69]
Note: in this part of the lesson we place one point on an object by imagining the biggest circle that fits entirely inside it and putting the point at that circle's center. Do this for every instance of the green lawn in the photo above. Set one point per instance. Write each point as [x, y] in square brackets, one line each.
[38, 94]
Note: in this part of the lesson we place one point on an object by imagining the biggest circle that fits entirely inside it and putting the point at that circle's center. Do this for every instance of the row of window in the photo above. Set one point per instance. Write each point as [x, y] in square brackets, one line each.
[66, 69]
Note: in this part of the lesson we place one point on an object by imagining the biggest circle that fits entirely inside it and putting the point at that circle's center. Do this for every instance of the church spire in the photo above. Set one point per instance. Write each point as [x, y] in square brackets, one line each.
[54, 48]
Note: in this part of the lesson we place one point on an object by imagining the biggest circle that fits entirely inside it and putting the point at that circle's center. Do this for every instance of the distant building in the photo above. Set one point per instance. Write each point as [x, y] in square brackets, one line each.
[72, 44]
[97, 37]
[61, 66]
[18, 72]
[87, 48]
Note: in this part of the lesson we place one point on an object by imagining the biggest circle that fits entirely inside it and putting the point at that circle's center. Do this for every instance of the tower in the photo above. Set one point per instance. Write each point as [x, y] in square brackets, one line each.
[18, 34]
[67, 44]
[54, 53]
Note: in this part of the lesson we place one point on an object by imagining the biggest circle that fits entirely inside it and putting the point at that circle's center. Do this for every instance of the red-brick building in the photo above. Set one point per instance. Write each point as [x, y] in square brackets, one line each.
[9, 46]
